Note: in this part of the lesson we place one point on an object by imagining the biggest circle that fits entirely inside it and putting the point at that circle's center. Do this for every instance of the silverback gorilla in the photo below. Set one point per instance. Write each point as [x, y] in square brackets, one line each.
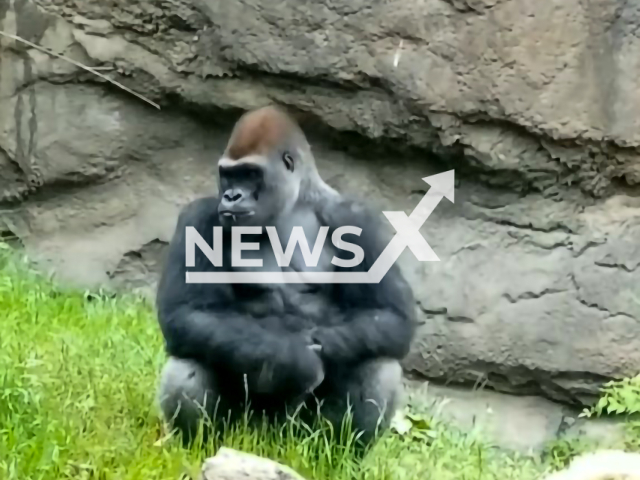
[280, 346]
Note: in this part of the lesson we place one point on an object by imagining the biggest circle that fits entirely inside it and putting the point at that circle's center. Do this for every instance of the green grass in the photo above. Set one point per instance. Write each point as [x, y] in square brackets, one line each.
[78, 374]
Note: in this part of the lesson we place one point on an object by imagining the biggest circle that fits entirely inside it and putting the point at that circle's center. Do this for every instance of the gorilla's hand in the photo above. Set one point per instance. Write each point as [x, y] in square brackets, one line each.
[297, 370]
[311, 341]
[326, 342]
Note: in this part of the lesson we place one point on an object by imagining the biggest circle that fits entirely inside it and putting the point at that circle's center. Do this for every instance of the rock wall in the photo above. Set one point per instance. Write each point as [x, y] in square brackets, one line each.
[535, 104]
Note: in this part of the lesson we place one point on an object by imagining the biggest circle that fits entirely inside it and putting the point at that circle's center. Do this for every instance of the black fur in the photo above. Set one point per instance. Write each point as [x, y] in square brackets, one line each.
[254, 340]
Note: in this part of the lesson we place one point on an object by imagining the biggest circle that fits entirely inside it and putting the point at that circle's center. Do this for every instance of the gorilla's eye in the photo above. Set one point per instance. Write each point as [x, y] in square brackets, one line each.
[288, 160]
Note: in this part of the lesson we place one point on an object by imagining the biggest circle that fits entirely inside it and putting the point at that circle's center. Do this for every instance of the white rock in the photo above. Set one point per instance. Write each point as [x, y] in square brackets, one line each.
[229, 464]
[602, 465]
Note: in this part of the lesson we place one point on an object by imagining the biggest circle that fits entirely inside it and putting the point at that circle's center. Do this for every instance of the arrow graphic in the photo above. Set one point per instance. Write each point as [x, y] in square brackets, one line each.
[407, 236]
[408, 228]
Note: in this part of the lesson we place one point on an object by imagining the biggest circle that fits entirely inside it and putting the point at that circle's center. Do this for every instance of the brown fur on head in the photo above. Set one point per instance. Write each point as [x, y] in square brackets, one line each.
[259, 131]
[262, 136]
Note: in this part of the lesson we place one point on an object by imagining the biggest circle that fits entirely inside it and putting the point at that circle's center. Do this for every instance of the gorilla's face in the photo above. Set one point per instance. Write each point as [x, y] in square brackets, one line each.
[241, 187]
[256, 190]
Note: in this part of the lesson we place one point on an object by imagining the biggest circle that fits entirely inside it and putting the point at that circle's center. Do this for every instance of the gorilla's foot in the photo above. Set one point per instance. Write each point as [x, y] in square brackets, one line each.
[368, 394]
[188, 397]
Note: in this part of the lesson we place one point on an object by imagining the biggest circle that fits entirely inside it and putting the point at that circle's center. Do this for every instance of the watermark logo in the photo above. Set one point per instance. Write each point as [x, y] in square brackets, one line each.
[407, 236]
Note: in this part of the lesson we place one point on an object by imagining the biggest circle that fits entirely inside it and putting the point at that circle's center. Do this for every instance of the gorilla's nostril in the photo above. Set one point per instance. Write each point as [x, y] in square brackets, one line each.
[232, 196]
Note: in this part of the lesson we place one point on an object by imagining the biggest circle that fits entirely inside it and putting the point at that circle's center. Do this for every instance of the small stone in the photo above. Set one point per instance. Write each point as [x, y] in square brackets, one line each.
[229, 464]
[602, 465]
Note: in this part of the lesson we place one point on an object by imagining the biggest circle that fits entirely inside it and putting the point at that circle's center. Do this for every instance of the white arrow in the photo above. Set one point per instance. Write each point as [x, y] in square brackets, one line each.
[407, 228]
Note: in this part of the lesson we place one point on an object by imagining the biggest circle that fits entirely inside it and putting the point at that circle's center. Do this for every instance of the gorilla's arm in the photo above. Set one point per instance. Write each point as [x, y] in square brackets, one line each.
[378, 320]
[199, 321]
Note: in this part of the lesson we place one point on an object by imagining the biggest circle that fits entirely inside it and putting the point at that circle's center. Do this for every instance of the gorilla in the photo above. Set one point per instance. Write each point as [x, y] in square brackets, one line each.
[335, 347]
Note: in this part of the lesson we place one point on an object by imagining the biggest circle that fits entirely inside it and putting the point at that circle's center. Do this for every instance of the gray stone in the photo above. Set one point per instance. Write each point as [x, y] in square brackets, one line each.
[603, 432]
[601, 465]
[523, 423]
[229, 464]
[537, 291]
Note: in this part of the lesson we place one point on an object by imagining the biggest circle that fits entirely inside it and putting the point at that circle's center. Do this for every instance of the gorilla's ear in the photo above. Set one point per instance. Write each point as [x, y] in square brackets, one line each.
[288, 161]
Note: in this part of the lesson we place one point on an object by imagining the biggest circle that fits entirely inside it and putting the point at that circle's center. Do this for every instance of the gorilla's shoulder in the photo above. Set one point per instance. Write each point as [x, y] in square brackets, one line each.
[200, 211]
[349, 211]
[346, 211]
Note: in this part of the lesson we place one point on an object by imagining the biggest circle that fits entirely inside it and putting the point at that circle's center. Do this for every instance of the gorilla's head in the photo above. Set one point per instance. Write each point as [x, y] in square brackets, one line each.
[263, 168]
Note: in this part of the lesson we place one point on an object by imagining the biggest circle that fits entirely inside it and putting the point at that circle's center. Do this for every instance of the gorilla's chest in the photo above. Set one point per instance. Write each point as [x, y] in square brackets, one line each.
[302, 245]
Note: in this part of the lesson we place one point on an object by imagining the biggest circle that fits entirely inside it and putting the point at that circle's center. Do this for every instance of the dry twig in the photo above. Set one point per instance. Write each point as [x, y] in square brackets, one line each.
[77, 64]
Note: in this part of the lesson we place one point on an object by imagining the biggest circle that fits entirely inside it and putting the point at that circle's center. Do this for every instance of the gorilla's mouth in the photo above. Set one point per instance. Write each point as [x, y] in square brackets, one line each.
[237, 214]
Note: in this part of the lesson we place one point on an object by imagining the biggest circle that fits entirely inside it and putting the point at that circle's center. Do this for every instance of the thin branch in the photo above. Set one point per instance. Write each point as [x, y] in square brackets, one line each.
[77, 64]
